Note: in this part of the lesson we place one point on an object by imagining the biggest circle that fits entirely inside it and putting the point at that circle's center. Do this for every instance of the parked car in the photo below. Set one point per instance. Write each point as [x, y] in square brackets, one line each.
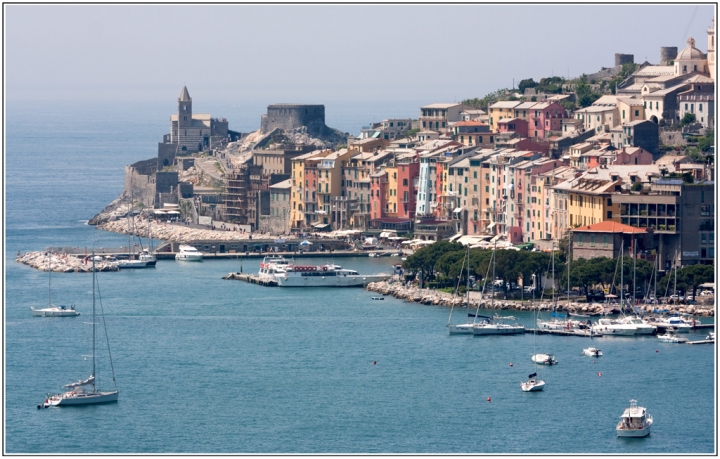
[707, 293]
[528, 289]
[689, 298]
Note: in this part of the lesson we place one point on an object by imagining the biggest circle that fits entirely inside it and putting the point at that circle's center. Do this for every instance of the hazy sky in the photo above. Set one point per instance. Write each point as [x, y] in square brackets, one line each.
[319, 53]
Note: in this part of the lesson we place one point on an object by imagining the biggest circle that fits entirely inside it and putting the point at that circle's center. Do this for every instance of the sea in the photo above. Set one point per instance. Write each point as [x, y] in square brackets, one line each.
[206, 365]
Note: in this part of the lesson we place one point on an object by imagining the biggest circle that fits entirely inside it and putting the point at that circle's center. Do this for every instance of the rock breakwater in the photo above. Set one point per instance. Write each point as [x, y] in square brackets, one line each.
[63, 263]
[174, 233]
[434, 297]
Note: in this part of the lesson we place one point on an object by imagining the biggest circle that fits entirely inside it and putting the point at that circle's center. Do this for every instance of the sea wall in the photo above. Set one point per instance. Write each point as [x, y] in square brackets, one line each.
[434, 297]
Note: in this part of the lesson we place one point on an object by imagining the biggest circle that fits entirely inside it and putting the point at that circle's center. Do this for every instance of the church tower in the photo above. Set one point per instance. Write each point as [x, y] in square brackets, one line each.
[711, 50]
[184, 109]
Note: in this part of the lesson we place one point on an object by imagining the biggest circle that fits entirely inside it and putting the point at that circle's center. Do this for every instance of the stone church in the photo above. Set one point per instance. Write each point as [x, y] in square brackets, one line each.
[190, 133]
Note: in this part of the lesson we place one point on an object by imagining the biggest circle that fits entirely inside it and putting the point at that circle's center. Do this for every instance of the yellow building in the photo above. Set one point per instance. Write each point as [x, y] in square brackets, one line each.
[501, 110]
[304, 185]
[329, 181]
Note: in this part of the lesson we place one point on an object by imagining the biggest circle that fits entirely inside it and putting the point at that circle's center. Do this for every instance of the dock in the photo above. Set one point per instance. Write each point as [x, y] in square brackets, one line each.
[545, 331]
[702, 341]
[252, 279]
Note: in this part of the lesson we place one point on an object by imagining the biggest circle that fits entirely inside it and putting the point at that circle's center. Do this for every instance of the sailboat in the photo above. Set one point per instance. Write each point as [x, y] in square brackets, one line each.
[466, 328]
[533, 384]
[85, 392]
[130, 263]
[488, 326]
[146, 254]
[53, 310]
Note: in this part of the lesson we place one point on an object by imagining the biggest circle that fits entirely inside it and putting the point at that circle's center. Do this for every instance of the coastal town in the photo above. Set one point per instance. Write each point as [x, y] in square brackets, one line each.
[619, 163]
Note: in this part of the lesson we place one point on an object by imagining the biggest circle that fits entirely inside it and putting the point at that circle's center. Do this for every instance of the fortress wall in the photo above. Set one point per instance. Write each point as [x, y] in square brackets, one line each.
[291, 116]
[140, 186]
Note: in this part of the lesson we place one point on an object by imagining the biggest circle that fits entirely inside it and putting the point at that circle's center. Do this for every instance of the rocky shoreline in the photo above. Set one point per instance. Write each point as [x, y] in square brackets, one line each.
[63, 263]
[175, 233]
[435, 297]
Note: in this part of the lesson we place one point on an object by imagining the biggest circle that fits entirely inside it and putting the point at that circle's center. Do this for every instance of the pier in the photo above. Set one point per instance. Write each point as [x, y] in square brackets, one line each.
[545, 331]
[252, 279]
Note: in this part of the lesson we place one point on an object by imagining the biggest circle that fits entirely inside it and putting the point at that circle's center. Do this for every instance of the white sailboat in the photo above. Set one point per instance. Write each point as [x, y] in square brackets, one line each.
[85, 392]
[488, 326]
[53, 310]
[533, 384]
[131, 263]
[466, 328]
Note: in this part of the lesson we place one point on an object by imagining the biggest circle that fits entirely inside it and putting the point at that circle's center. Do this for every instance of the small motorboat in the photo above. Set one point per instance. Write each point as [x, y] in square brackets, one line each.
[634, 422]
[671, 338]
[532, 384]
[592, 352]
[544, 359]
[710, 337]
[378, 298]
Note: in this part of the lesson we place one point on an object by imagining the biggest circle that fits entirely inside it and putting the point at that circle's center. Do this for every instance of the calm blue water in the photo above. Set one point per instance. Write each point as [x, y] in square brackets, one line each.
[206, 365]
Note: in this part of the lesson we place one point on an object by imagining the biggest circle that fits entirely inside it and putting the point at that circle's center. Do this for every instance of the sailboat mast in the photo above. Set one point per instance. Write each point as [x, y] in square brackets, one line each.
[492, 301]
[552, 254]
[634, 260]
[622, 269]
[675, 282]
[568, 262]
[93, 318]
[49, 279]
[467, 286]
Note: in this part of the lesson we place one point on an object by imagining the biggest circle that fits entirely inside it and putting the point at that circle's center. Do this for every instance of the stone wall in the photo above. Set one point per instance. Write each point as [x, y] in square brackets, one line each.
[166, 154]
[292, 116]
[672, 137]
[140, 182]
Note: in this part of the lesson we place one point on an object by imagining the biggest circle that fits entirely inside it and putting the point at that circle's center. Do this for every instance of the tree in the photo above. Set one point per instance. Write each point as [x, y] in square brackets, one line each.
[689, 118]
[529, 83]
[412, 132]
[707, 141]
[424, 259]
[689, 278]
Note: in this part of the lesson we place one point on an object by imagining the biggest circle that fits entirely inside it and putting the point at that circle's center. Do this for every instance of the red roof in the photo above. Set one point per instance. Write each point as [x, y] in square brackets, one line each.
[609, 226]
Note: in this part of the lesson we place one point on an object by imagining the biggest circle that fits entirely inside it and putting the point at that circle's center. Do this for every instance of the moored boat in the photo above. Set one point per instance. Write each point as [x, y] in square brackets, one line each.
[188, 253]
[544, 359]
[592, 352]
[327, 275]
[669, 337]
[634, 422]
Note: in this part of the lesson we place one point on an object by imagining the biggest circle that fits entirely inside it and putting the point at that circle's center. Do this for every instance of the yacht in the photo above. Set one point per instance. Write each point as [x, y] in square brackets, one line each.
[544, 359]
[272, 266]
[327, 275]
[532, 384]
[677, 323]
[188, 253]
[613, 328]
[496, 328]
[641, 327]
[634, 422]
[671, 338]
[592, 352]
[147, 257]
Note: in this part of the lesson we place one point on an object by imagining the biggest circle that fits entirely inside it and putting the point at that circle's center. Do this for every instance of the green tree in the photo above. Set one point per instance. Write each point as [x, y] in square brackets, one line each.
[412, 132]
[689, 279]
[689, 118]
[529, 83]
[423, 260]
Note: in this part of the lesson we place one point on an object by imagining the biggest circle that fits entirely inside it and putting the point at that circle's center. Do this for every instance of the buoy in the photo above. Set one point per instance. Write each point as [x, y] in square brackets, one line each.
[488, 399]
[600, 373]
[510, 363]
[656, 350]
[374, 362]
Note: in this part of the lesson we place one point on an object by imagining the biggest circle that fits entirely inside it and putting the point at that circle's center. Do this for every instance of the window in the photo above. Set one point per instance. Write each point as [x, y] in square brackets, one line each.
[637, 112]
[609, 214]
[580, 239]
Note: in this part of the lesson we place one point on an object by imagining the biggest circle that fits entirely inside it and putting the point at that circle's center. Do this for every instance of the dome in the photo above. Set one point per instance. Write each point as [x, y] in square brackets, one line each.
[690, 52]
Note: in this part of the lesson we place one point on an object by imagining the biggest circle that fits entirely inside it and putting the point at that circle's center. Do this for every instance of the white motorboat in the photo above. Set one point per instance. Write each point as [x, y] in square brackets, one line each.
[147, 257]
[592, 352]
[324, 276]
[677, 323]
[53, 310]
[556, 324]
[272, 266]
[85, 392]
[613, 328]
[634, 422]
[641, 327]
[671, 338]
[544, 359]
[188, 253]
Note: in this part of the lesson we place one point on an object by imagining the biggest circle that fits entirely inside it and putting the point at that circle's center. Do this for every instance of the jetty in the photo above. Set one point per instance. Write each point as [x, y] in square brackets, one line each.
[574, 332]
[252, 279]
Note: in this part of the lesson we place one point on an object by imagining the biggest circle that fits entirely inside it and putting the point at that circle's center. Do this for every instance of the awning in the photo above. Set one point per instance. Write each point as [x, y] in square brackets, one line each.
[491, 225]
[320, 225]
[376, 135]
[708, 285]
[320, 212]
[452, 239]
[459, 209]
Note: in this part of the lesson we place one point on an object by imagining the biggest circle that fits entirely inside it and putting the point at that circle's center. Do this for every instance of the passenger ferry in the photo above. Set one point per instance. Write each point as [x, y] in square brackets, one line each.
[328, 275]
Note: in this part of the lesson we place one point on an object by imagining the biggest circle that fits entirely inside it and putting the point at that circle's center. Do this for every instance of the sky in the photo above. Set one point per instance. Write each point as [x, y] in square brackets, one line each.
[321, 53]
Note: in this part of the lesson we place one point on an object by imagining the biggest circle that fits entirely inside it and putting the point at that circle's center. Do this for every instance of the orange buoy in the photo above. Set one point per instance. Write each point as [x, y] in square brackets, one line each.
[510, 363]
[600, 373]
[488, 399]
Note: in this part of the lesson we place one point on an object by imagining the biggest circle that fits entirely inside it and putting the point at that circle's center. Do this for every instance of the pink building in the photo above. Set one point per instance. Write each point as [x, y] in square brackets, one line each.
[544, 118]
[516, 125]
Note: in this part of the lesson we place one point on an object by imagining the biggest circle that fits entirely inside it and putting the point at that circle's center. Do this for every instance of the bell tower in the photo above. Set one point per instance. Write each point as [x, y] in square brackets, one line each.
[184, 109]
[711, 50]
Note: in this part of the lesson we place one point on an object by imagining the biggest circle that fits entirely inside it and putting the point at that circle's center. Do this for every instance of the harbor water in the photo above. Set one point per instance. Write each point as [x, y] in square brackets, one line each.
[206, 365]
